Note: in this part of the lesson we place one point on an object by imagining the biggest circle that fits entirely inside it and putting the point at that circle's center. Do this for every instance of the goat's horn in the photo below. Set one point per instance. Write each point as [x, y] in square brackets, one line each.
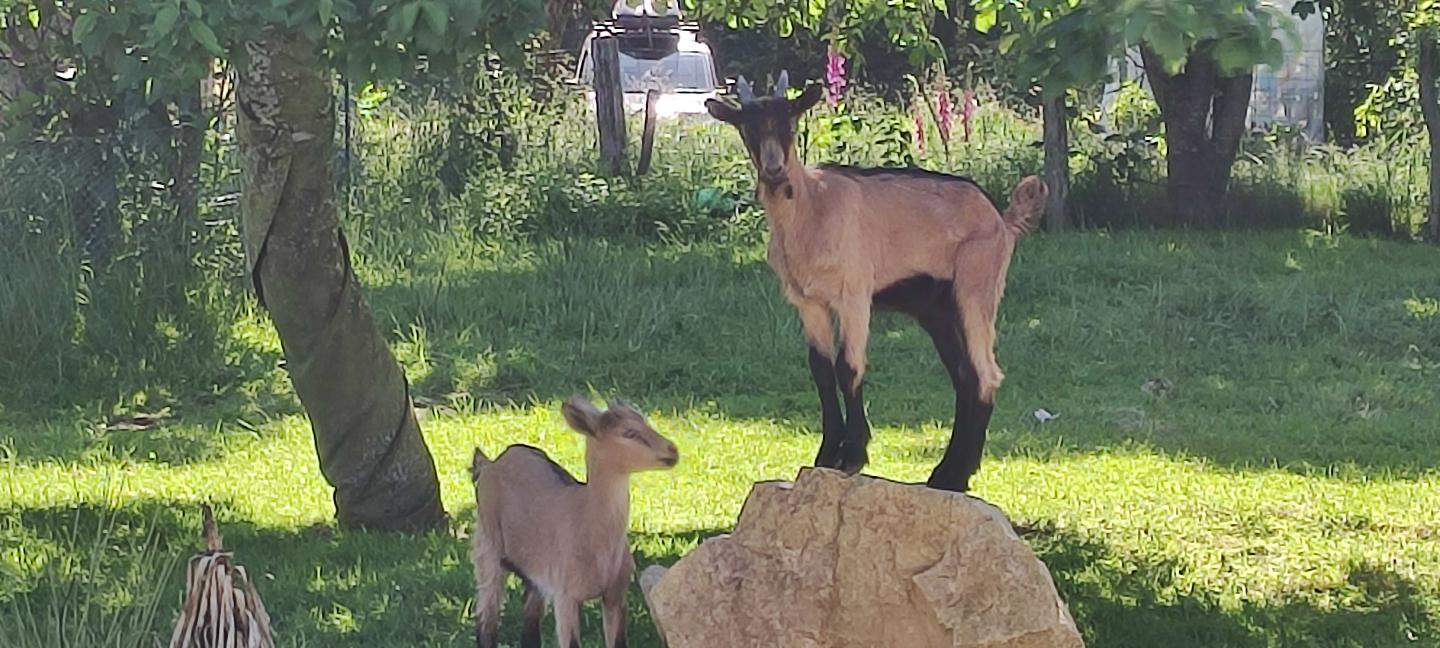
[747, 93]
[782, 84]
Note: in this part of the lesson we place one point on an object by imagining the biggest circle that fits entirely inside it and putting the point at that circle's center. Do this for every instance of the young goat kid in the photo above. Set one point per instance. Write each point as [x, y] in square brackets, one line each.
[848, 240]
[564, 539]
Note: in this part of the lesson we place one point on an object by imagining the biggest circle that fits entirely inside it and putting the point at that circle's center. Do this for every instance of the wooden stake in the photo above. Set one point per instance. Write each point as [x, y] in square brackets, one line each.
[647, 136]
[609, 104]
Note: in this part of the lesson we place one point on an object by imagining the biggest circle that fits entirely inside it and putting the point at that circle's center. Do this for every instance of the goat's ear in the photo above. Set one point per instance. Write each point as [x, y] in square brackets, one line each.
[478, 463]
[806, 100]
[722, 111]
[622, 404]
[581, 414]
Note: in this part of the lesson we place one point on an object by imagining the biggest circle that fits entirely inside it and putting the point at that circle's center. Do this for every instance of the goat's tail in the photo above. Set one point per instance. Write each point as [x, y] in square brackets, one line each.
[478, 463]
[1026, 204]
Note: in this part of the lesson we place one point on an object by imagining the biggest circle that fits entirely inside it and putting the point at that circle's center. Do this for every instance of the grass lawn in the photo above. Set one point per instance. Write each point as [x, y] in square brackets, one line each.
[1285, 489]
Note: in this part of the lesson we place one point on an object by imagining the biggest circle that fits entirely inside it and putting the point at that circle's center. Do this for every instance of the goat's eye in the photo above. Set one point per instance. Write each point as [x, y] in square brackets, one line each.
[632, 434]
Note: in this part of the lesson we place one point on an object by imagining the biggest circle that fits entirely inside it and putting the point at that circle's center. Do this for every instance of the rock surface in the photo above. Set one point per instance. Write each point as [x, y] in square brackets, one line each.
[830, 561]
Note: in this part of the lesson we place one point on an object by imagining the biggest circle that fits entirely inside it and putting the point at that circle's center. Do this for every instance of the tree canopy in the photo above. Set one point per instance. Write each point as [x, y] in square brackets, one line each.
[159, 45]
[1064, 44]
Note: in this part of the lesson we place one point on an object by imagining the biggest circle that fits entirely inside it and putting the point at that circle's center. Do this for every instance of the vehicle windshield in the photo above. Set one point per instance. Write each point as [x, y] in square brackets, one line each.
[678, 72]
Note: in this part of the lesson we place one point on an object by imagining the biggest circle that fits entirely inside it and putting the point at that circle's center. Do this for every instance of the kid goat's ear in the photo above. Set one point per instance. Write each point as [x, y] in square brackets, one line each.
[806, 100]
[622, 404]
[722, 111]
[581, 414]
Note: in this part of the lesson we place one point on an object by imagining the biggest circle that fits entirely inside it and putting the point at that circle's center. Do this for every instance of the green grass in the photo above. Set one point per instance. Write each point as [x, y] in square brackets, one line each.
[1283, 492]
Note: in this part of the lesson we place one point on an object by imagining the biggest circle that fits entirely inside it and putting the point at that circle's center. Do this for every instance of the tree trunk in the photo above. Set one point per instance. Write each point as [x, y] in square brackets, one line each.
[1057, 164]
[191, 144]
[1430, 107]
[1204, 114]
[353, 390]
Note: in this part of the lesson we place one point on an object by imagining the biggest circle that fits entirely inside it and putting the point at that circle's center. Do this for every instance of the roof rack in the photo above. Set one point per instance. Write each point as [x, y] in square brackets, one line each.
[646, 37]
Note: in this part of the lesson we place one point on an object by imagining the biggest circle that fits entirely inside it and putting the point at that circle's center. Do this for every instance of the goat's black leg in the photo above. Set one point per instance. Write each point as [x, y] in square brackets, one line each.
[854, 452]
[534, 615]
[832, 424]
[967, 437]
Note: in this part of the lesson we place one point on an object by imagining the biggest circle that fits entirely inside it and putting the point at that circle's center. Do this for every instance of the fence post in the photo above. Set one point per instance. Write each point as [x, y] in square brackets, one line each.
[1057, 164]
[609, 103]
[647, 136]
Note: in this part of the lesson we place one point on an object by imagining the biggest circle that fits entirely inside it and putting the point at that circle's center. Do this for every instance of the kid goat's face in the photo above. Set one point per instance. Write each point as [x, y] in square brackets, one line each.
[621, 436]
[767, 126]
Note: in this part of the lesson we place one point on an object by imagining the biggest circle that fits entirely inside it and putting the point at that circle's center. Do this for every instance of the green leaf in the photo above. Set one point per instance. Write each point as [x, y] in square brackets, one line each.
[164, 22]
[314, 30]
[195, 9]
[327, 11]
[467, 16]
[430, 42]
[1235, 56]
[205, 37]
[985, 20]
[408, 15]
[84, 25]
[1169, 43]
[437, 17]
[1008, 42]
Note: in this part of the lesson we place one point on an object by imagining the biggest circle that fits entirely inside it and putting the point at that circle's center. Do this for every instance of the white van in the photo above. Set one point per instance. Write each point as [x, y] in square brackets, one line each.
[660, 53]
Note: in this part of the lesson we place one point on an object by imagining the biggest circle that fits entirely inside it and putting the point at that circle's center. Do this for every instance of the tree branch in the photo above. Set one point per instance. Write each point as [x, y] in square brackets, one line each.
[1230, 107]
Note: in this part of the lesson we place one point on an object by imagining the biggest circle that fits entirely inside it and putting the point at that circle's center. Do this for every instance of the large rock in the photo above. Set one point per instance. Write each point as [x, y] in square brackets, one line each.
[830, 561]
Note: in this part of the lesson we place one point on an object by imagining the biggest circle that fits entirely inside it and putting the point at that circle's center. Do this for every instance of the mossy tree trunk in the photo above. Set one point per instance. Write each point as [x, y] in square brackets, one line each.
[352, 388]
[1204, 112]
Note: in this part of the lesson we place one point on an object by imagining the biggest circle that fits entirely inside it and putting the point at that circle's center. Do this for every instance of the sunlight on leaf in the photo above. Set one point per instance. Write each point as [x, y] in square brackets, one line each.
[1422, 309]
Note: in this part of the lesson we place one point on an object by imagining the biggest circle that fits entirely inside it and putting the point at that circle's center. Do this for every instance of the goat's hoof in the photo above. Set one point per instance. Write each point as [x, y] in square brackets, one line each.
[947, 483]
[853, 459]
[829, 457]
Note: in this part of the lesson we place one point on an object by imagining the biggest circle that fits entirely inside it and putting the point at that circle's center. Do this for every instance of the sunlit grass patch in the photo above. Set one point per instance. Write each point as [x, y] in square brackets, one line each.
[1279, 487]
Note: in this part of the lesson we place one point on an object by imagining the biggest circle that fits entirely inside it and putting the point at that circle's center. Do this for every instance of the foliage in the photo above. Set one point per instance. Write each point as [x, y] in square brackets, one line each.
[98, 581]
[130, 61]
[1129, 150]
[1391, 110]
[156, 44]
[905, 23]
[1068, 44]
[1359, 54]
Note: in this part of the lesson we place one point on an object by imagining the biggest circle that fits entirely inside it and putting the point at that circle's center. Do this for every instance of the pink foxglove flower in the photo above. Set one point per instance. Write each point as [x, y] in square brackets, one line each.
[967, 113]
[919, 129]
[834, 76]
[943, 115]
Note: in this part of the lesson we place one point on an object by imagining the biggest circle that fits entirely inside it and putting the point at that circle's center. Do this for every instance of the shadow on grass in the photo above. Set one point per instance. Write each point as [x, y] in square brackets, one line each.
[337, 588]
[322, 587]
[1306, 366]
[182, 439]
[1120, 601]
[1249, 344]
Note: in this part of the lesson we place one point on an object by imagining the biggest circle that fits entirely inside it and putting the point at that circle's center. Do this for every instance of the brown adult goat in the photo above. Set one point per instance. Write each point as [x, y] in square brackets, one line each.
[845, 240]
[564, 539]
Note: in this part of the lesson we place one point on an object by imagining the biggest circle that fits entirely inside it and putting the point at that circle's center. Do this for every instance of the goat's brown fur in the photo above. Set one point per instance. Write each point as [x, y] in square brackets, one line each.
[840, 236]
[565, 539]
